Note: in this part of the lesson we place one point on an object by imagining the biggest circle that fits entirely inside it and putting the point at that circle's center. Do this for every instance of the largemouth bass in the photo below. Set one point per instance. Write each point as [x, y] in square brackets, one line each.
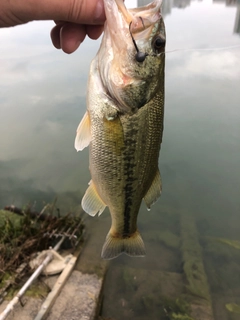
[123, 124]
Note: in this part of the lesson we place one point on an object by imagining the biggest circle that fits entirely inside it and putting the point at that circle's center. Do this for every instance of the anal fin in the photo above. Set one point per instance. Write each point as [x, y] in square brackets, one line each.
[83, 136]
[114, 246]
[91, 202]
[154, 191]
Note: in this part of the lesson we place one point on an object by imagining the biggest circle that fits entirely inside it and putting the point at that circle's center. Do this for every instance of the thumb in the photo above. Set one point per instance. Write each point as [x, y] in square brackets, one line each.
[77, 11]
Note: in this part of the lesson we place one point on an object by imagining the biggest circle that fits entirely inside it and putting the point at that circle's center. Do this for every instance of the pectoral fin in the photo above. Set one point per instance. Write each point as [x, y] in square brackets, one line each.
[91, 202]
[154, 191]
[83, 136]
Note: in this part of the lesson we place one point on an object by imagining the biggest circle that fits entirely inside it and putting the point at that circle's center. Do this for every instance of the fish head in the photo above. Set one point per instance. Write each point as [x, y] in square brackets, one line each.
[131, 57]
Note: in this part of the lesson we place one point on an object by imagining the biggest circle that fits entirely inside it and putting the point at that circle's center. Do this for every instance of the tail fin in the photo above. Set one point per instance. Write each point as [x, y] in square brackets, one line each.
[132, 246]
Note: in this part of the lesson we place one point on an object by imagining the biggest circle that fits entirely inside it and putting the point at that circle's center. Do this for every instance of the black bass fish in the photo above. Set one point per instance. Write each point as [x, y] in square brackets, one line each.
[123, 124]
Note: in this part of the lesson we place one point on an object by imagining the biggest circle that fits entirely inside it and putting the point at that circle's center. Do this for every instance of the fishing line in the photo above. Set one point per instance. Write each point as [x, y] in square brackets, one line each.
[205, 49]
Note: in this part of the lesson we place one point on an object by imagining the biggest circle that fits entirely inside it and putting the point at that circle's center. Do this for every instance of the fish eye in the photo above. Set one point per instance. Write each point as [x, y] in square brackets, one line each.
[159, 43]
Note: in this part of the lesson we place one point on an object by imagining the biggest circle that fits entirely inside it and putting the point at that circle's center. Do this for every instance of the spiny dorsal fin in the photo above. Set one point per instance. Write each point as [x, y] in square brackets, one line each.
[83, 136]
[91, 202]
[154, 191]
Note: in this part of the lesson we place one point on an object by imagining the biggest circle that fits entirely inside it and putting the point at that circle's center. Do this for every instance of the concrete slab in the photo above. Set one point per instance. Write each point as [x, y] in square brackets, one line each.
[78, 299]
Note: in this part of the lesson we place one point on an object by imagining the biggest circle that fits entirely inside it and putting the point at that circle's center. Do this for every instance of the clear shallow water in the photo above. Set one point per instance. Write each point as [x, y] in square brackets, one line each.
[42, 99]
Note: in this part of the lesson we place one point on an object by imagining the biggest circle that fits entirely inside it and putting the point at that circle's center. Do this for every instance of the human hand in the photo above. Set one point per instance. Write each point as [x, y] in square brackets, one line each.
[74, 18]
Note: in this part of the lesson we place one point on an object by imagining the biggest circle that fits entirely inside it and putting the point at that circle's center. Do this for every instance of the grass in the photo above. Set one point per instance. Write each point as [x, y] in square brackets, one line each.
[25, 234]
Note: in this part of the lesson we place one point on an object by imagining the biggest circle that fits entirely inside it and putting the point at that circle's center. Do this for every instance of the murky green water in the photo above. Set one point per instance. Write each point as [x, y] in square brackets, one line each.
[42, 99]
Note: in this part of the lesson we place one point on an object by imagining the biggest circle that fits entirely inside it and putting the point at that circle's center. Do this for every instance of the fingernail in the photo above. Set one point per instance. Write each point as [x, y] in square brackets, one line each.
[99, 16]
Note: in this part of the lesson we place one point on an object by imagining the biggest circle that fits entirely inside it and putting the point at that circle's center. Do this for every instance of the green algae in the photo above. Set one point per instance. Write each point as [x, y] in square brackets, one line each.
[232, 243]
[163, 298]
[166, 237]
[233, 307]
[197, 287]
[197, 283]
[37, 290]
[167, 308]
[175, 316]
[222, 262]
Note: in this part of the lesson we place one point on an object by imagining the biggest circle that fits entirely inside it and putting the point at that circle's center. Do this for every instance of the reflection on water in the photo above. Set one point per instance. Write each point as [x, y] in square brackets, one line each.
[181, 4]
[42, 95]
[237, 20]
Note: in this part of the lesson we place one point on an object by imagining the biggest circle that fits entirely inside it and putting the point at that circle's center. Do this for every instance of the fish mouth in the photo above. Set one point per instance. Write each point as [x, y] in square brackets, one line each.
[127, 41]
[141, 20]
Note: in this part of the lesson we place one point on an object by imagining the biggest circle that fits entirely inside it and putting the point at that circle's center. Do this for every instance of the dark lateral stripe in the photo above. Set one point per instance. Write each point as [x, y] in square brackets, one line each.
[126, 227]
[128, 204]
[129, 165]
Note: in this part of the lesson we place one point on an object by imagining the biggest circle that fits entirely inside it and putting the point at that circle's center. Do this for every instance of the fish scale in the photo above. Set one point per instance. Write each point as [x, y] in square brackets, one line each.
[123, 125]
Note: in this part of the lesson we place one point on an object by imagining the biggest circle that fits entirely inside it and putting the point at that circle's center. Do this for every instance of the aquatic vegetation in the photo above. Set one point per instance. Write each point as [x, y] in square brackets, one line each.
[197, 283]
[166, 237]
[222, 262]
[156, 294]
[233, 307]
[175, 316]
[153, 293]
[198, 292]
[220, 251]
[177, 309]
[169, 309]
[233, 243]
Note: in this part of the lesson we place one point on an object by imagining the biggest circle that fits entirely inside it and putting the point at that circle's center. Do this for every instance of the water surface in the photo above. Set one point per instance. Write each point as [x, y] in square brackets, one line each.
[42, 99]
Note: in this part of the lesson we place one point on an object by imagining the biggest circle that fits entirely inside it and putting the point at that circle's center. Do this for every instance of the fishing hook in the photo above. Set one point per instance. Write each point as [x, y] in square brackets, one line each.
[140, 56]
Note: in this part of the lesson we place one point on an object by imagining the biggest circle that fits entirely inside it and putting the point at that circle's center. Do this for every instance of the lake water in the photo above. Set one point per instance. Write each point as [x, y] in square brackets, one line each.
[42, 99]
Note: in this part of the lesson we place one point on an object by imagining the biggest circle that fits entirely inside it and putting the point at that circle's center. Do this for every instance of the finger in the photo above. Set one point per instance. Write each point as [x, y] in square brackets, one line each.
[71, 36]
[94, 32]
[55, 35]
[88, 12]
